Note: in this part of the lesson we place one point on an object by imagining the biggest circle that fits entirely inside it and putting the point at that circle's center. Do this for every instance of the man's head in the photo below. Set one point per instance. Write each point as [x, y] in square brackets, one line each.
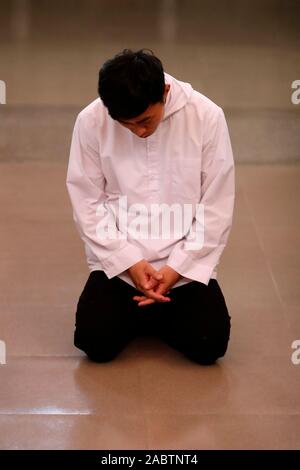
[132, 87]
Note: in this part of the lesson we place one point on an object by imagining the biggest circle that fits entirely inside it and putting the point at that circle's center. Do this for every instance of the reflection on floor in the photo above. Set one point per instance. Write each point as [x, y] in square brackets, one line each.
[52, 397]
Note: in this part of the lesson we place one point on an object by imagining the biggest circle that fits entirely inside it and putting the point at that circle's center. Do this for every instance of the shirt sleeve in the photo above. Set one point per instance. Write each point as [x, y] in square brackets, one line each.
[86, 187]
[216, 203]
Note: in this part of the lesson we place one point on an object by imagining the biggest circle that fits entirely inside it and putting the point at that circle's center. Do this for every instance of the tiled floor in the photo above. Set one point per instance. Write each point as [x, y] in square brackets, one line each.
[240, 53]
[244, 56]
[52, 397]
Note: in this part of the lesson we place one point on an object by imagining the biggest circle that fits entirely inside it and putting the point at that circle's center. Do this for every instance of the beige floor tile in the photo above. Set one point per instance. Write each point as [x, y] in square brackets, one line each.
[235, 385]
[261, 332]
[280, 245]
[26, 240]
[41, 280]
[51, 396]
[30, 329]
[272, 193]
[241, 213]
[243, 248]
[216, 431]
[22, 182]
[37, 216]
[293, 316]
[63, 386]
[244, 273]
[288, 281]
[249, 284]
[63, 432]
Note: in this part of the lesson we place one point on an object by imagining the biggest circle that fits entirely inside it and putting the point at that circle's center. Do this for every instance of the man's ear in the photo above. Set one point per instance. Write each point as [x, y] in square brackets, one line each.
[167, 88]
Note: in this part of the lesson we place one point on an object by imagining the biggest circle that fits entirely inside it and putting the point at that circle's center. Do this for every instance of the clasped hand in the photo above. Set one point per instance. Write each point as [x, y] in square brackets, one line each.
[154, 284]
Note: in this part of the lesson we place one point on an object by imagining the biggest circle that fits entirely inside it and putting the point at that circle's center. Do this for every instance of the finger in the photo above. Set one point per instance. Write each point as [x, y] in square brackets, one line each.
[145, 283]
[155, 274]
[155, 295]
[151, 294]
[151, 283]
[158, 297]
[139, 298]
[142, 298]
[146, 302]
[148, 282]
[161, 290]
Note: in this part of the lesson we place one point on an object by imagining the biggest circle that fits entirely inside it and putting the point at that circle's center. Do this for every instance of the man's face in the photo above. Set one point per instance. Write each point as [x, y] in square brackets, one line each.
[146, 123]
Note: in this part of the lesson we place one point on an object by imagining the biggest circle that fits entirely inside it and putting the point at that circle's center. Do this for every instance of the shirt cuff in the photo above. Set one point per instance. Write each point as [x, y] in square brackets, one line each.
[192, 269]
[121, 260]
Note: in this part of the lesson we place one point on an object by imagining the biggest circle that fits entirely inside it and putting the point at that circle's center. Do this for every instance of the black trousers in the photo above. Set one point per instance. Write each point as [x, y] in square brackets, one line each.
[195, 322]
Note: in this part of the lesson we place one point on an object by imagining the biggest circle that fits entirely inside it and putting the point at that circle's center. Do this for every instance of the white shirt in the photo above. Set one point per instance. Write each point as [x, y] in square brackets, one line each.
[187, 160]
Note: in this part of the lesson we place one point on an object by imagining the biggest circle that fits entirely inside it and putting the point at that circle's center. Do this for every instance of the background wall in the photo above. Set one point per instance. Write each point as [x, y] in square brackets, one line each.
[243, 54]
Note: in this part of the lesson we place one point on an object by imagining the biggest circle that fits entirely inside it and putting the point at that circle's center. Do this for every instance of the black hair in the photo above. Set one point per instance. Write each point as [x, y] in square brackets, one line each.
[130, 82]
